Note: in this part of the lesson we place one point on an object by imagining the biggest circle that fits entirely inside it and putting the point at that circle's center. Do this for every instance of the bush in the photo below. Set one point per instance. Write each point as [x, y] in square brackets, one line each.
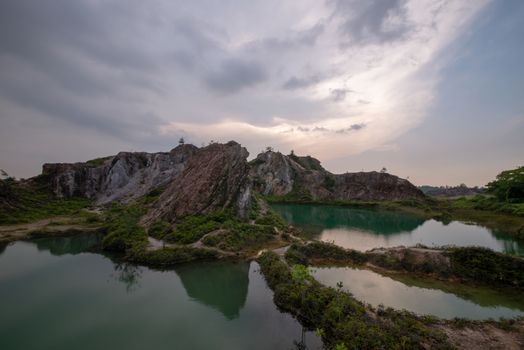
[123, 231]
[485, 266]
[192, 228]
[322, 252]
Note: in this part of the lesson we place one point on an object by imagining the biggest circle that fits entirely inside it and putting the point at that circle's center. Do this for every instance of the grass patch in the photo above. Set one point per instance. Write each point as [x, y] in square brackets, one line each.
[242, 236]
[32, 201]
[93, 163]
[191, 228]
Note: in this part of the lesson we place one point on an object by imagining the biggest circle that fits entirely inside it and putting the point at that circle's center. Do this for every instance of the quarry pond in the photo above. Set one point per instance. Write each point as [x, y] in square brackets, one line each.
[423, 297]
[365, 229]
[53, 294]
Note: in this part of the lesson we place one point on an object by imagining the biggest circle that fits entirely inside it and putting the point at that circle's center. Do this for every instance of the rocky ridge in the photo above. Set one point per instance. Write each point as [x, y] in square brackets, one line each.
[303, 178]
[123, 177]
[202, 180]
[215, 178]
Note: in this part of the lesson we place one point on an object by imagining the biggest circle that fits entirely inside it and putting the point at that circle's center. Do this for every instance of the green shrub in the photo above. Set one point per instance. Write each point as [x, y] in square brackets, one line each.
[241, 236]
[192, 228]
[123, 231]
[159, 229]
[323, 252]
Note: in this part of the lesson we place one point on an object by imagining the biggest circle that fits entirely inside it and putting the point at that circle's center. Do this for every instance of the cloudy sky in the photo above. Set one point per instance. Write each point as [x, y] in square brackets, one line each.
[432, 90]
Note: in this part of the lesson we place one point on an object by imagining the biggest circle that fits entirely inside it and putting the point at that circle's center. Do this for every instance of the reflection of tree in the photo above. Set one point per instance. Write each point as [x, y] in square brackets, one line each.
[2, 247]
[482, 296]
[300, 345]
[129, 275]
[68, 245]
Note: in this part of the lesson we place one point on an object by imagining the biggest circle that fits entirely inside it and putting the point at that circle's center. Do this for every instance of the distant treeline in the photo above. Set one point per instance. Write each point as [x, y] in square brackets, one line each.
[452, 191]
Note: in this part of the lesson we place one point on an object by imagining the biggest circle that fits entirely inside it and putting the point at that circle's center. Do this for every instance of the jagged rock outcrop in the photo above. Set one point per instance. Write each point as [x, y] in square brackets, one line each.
[216, 177]
[303, 178]
[123, 177]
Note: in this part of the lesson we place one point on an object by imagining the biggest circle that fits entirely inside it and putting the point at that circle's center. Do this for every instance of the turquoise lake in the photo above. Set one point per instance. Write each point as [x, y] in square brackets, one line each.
[364, 229]
[54, 295]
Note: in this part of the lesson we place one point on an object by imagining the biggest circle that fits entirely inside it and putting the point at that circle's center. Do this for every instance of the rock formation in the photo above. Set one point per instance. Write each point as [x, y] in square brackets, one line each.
[123, 177]
[303, 178]
[202, 180]
[216, 177]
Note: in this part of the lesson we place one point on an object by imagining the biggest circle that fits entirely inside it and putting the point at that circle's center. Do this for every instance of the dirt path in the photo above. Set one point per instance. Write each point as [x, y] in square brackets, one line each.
[156, 244]
[55, 224]
[485, 336]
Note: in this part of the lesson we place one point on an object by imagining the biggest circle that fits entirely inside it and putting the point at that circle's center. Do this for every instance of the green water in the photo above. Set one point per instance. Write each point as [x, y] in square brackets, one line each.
[55, 296]
[423, 297]
[365, 229]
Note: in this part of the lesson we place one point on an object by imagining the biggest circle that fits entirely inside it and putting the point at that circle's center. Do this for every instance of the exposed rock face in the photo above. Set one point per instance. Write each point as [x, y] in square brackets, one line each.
[216, 177]
[123, 177]
[304, 178]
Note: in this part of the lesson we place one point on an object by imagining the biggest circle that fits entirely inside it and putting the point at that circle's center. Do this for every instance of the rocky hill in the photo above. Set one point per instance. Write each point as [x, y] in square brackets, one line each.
[303, 178]
[201, 180]
[123, 177]
[215, 177]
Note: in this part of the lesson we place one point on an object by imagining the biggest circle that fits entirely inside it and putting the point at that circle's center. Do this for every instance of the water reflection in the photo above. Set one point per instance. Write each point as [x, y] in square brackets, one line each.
[128, 274]
[365, 229]
[222, 286]
[422, 297]
[68, 245]
[76, 307]
[317, 218]
[485, 297]
[3, 246]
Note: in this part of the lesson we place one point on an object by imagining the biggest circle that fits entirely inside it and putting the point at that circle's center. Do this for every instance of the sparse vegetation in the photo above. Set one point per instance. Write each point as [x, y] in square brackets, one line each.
[342, 321]
[22, 202]
[97, 161]
[123, 231]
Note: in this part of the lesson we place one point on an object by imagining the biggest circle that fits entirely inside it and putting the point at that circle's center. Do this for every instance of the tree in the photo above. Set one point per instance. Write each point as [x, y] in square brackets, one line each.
[181, 141]
[509, 185]
[383, 170]
[269, 149]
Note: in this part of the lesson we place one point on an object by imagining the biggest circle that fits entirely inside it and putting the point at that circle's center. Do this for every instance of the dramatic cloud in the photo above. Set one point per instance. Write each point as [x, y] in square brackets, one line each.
[234, 75]
[330, 78]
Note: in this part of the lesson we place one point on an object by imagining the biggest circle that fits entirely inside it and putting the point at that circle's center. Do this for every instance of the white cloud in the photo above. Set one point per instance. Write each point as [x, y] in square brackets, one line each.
[396, 79]
[140, 76]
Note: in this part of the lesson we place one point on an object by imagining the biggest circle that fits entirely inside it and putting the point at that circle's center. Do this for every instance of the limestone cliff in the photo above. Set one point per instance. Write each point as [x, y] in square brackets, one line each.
[303, 178]
[216, 177]
[202, 180]
[126, 176]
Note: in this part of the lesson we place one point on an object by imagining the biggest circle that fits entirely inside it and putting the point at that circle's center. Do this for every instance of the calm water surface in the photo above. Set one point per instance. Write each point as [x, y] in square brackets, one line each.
[365, 229]
[429, 297]
[55, 296]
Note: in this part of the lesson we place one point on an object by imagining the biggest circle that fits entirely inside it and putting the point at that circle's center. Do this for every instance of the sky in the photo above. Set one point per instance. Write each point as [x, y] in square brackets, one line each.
[431, 90]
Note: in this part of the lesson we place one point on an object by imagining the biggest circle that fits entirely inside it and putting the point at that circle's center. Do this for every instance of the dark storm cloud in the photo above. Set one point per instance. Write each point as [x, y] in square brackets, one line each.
[339, 95]
[295, 40]
[235, 74]
[366, 21]
[65, 58]
[354, 127]
[295, 83]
